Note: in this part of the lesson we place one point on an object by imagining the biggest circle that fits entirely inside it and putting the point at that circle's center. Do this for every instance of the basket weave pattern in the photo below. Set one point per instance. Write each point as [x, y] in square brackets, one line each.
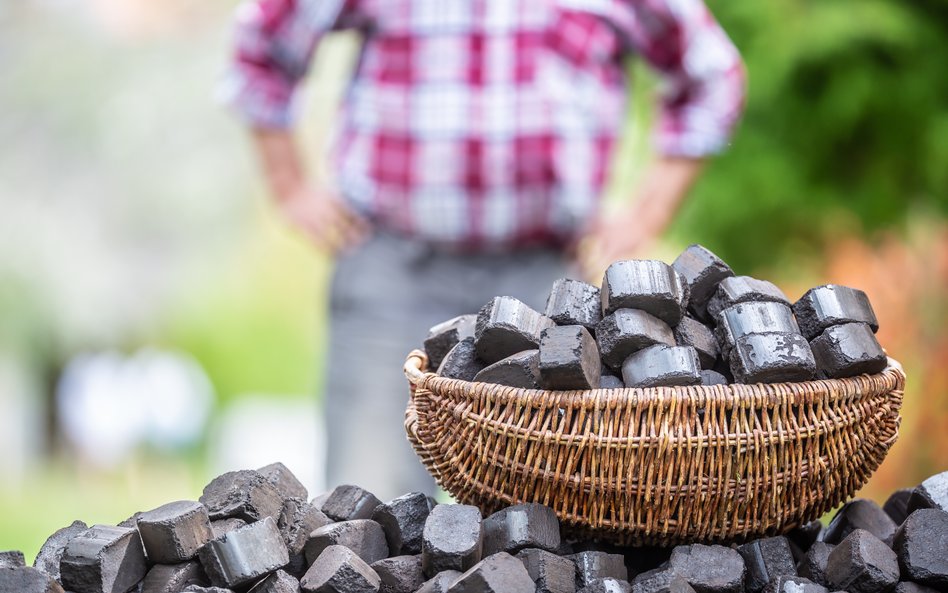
[657, 466]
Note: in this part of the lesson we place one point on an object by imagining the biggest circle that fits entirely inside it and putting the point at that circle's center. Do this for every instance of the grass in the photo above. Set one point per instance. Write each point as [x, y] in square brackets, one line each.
[60, 494]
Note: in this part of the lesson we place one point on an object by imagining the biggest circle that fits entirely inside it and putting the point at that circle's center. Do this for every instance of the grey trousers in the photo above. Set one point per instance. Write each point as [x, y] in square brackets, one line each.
[384, 297]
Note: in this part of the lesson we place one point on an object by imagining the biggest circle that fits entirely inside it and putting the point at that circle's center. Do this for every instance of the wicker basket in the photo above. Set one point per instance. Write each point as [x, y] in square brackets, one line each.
[657, 466]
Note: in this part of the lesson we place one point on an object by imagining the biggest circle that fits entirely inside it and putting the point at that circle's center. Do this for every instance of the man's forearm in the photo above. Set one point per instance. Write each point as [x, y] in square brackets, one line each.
[326, 220]
[663, 190]
[280, 160]
[631, 230]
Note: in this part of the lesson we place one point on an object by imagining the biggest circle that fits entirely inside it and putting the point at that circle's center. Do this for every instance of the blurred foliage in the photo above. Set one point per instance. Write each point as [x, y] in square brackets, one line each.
[154, 230]
[260, 325]
[846, 127]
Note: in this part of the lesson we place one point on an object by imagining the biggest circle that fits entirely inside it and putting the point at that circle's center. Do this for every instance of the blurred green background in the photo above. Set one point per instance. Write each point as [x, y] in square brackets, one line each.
[133, 218]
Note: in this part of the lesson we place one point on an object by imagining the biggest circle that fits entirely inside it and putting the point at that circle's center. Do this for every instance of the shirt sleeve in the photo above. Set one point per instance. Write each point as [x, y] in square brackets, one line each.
[704, 80]
[274, 44]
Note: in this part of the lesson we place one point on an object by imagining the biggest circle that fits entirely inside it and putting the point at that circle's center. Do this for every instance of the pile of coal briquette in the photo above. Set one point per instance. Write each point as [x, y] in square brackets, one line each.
[652, 324]
[256, 532]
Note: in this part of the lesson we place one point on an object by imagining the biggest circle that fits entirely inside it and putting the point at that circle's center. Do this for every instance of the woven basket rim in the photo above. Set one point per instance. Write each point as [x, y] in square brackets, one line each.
[733, 395]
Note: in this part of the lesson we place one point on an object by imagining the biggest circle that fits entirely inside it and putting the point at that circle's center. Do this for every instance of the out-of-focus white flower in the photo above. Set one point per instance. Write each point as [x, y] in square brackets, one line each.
[110, 404]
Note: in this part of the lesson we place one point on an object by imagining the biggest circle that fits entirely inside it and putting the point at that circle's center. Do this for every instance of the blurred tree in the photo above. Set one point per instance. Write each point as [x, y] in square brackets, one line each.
[846, 127]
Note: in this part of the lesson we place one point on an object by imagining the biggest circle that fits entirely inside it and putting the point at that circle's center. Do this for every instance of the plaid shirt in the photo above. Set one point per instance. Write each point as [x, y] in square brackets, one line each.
[490, 123]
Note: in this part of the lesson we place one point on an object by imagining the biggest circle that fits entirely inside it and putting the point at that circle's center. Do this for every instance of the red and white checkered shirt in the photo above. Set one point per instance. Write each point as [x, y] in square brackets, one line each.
[488, 123]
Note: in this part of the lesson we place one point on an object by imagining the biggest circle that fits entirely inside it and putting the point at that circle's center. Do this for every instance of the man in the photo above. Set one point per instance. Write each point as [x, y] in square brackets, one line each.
[473, 144]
